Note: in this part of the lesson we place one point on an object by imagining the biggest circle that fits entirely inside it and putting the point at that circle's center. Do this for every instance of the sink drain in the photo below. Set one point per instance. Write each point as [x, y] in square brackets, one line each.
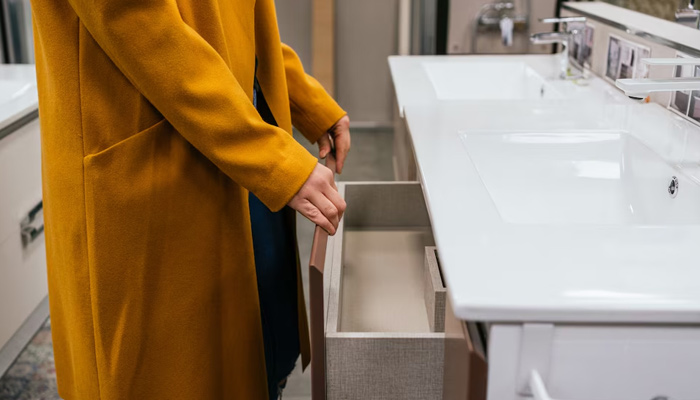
[673, 187]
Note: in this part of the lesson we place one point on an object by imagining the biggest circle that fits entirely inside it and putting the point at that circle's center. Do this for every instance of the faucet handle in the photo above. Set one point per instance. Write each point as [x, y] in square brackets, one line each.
[566, 20]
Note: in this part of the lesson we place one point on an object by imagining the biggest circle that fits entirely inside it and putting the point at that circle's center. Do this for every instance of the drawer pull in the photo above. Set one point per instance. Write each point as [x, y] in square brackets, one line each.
[539, 390]
[32, 225]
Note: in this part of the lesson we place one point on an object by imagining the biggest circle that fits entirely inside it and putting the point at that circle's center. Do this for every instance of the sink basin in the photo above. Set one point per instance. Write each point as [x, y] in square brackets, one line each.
[486, 80]
[10, 90]
[605, 178]
[18, 94]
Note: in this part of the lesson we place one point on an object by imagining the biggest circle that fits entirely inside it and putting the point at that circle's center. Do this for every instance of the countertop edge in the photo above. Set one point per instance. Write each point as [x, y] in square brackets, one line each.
[11, 125]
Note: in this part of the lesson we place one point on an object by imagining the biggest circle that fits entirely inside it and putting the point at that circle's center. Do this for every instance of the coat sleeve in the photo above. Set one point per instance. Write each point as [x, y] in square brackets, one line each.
[192, 86]
[314, 111]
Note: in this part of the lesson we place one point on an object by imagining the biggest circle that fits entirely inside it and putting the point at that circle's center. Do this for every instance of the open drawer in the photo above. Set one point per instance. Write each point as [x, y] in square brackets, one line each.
[379, 338]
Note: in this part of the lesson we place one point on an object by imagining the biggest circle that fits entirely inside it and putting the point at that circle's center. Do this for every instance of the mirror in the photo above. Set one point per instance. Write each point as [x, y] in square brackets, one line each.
[686, 12]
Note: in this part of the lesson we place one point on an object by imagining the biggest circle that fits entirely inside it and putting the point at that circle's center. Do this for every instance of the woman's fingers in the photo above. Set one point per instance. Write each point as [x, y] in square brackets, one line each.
[338, 202]
[341, 139]
[324, 145]
[342, 148]
[327, 208]
[319, 200]
[315, 215]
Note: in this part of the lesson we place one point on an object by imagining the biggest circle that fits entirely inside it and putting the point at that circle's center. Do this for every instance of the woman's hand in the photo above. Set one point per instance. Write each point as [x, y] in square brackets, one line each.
[319, 200]
[338, 136]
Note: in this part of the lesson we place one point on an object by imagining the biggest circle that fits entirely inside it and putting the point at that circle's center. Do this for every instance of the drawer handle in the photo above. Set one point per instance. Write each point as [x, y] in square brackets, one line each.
[539, 390]
[317, 332]
[32, 225]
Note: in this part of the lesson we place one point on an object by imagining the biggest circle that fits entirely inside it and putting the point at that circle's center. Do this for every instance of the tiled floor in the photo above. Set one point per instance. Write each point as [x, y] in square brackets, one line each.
[32, 376]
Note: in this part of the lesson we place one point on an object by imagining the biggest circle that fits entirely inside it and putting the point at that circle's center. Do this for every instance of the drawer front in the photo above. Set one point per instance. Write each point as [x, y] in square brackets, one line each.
[384, 366]
[379, 343]
[20, 177]
[595, 362]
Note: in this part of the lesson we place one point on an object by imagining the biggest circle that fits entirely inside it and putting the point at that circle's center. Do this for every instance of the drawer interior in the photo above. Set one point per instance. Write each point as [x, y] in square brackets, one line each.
[381, 279]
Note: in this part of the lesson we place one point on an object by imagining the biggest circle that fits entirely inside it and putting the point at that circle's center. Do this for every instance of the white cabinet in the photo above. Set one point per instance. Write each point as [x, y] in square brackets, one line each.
[600, 362]
[23, 282]
[573, 362]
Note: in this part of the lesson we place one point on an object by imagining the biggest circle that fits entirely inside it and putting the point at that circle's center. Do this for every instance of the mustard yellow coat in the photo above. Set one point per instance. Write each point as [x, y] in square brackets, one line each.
[150, 145]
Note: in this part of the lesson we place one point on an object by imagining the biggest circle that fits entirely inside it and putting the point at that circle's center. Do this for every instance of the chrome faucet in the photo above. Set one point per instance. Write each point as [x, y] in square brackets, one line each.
[565, 39]
[505, 20]
[688, 14]
[641, 88]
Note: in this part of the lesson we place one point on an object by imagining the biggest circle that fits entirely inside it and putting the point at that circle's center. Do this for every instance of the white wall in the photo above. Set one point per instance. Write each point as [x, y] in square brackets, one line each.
[366, 34]
[294, 20]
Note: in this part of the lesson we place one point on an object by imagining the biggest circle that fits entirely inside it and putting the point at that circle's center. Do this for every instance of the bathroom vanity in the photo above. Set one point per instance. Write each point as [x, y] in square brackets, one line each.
[23, 284]
[567, 246]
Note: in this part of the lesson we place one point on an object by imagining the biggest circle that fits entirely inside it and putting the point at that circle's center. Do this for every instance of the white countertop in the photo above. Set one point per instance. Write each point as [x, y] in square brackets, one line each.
[413, 84]
[18, 92]
[509, 253]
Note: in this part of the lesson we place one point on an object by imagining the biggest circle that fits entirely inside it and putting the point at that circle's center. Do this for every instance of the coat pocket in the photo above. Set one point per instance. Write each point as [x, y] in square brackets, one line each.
[148, 199]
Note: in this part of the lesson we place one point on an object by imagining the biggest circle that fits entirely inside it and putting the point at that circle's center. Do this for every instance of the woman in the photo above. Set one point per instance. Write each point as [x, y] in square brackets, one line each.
[151, 143]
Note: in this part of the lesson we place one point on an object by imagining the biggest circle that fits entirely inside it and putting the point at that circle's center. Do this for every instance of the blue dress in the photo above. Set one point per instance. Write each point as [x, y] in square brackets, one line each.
[274, 245]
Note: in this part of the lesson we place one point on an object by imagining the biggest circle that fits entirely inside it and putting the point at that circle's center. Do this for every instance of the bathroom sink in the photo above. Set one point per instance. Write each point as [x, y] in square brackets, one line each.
[18, 94]
[488, 80]
[599, 178]
[11, 90]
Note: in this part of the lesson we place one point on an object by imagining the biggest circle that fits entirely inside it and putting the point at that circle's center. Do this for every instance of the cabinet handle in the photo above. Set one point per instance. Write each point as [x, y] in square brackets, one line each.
[539, 390]
[32, 225]
[317, 332]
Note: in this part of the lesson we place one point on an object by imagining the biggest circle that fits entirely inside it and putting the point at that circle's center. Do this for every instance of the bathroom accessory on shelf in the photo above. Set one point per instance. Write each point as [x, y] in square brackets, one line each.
[500, 15]
[641, 88]
[688, 14]
[565, 39]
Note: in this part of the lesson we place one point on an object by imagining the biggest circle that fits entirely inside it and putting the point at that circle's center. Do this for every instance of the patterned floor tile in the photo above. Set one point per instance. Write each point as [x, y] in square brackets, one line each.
[32, 376]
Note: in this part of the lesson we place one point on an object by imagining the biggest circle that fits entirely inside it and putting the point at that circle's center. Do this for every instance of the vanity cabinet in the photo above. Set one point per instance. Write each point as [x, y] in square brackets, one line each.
[587, 362]
[23, 282]
[594, 362]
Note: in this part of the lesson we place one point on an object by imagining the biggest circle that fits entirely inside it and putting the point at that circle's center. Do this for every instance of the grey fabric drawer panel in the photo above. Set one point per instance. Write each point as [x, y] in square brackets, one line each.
[390, 366]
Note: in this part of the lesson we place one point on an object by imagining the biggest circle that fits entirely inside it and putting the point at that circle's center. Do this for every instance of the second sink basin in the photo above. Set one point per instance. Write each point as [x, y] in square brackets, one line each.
[486, 80]
[10, 90]
[607, 178]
